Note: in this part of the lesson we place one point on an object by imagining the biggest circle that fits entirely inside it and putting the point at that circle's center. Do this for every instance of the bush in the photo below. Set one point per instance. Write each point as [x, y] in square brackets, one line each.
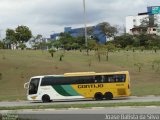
[61, 56]
[52, 51]
[1, 45]
[0, 76]
[22, 46]
[139, 66]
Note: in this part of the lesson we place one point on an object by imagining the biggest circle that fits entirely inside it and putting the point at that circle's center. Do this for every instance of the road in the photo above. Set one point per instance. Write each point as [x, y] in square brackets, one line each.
[118, 113]
[120, 100]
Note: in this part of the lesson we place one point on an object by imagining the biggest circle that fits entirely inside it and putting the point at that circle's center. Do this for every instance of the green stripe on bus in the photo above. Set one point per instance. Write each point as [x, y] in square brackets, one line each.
[70, 90]
[60, 90]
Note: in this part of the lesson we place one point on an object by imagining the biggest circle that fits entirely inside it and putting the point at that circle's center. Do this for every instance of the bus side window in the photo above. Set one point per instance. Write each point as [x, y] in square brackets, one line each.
[111, 79]
[93, 79]
[105, 79]
[98, 79]
[102, 80]
[116, 78]
[122, 78]
[90, 79]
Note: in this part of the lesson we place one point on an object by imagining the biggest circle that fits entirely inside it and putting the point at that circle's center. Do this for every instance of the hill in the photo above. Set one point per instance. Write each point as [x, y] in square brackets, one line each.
[17, 66]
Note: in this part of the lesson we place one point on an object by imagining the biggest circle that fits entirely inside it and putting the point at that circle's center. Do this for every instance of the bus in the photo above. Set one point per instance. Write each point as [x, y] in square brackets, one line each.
[78, 85]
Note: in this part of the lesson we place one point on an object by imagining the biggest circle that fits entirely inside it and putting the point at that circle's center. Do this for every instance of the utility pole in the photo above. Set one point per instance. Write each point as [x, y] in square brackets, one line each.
[84, 6]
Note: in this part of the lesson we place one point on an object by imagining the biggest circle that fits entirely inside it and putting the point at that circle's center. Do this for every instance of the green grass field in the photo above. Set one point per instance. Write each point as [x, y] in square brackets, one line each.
[17, 66]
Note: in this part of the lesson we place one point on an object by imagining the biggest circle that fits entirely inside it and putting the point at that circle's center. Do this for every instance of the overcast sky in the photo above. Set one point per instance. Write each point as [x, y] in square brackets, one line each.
[48, 16]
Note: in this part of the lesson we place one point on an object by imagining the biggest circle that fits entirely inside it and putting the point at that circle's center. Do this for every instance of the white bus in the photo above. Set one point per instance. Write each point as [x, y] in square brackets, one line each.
[98, 86]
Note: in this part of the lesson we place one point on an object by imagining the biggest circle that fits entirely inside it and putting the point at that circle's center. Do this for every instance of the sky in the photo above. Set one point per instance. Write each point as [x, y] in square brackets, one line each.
[51, 16]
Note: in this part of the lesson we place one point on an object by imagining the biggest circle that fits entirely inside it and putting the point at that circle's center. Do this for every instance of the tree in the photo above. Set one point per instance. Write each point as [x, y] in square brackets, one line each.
[57, 44]
[89, 30]
[22, 46]
[11, 37]
[142, 48]
[92, 44]
[124, 40]
[139, 66]
[43, 45]
[39, 37]
[136, 41]
[66, 40]
[143, 38]
[80, 40]
[1, 45]
[23, 34]
[100, 51]
[107, 29]
[147, 23]
[39, 43]
[52, 51]
[0, 76]
[153, 41]
[156, 63]
[75, 46]
[61, 57]
[18, 36]
[110, 47]
[155, 49]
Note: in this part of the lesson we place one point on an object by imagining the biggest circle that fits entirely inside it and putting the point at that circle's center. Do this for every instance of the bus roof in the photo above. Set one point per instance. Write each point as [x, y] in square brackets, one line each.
[79, 74]
[82, 74]
[42, 76]
[94, 73]
[109, 73]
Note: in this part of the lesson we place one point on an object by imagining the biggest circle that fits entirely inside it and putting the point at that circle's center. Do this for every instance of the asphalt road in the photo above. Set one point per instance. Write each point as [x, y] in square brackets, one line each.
[120, 100]
[116, 113]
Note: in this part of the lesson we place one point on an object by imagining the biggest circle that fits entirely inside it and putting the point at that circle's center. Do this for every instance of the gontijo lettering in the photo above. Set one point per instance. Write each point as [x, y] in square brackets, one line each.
[91, 86]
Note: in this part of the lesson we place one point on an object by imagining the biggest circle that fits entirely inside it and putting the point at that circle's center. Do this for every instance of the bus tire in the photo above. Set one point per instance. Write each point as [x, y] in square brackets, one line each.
[98, 96]
[46, 98]
[108, 96]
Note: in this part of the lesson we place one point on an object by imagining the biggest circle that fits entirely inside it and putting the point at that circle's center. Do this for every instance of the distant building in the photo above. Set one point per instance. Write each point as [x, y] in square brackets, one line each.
[132, 22]
[133, 25]
[99, 35]
[34, 41]
[77, 32]
[54, 36]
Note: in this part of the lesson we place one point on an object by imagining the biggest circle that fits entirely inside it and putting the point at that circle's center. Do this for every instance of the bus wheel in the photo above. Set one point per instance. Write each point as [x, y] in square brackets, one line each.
[46, 98]
[98, 96]
[108, 96]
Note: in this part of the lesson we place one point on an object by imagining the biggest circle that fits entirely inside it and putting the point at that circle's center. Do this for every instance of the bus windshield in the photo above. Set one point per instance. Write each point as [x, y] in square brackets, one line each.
[33, 86]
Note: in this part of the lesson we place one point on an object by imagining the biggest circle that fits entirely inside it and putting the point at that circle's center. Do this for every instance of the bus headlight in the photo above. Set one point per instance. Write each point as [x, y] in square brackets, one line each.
[34, 97]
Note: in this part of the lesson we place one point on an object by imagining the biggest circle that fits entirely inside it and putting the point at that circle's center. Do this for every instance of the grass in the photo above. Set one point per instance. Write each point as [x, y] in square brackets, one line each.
[17, 66]
[66, 106]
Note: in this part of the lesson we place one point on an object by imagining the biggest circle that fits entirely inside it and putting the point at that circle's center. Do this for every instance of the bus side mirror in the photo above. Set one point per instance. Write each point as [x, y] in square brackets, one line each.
[26, 85]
